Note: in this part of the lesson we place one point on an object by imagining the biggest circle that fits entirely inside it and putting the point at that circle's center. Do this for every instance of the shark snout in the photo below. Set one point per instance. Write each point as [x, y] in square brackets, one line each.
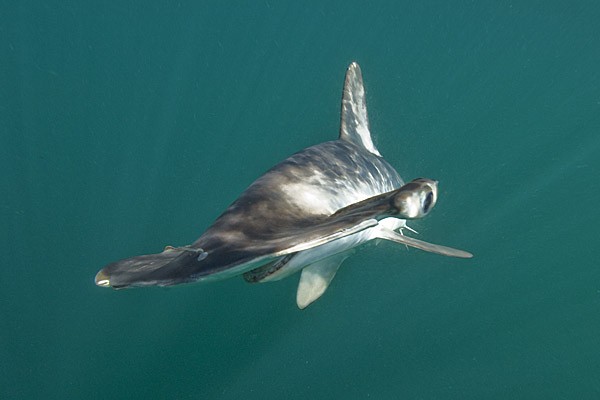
[416, 198]
[102, 279]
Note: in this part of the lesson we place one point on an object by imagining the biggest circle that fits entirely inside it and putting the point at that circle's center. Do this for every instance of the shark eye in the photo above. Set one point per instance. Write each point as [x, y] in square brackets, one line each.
[427, 202]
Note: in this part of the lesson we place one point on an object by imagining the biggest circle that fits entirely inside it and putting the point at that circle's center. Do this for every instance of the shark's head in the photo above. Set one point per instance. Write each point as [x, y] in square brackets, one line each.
[416, 198]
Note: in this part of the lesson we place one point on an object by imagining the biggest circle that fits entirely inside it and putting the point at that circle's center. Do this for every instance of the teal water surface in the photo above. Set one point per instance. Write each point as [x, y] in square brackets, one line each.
[128, 126]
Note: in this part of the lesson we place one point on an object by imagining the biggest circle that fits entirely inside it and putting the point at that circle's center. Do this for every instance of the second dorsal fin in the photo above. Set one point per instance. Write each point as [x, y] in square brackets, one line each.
[354, 126]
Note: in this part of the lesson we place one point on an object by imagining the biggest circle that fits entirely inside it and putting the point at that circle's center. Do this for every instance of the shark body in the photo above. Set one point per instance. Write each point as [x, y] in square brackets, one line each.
[306, 213]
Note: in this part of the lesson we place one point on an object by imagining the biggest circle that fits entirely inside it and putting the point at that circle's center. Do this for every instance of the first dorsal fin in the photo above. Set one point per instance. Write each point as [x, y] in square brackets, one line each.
[354, 125]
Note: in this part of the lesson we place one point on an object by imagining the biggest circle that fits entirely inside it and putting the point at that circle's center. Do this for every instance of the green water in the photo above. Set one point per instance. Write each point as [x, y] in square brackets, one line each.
[128, 127]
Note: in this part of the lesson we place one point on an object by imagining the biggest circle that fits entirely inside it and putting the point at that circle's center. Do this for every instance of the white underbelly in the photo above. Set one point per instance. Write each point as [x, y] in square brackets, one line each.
[307, 257]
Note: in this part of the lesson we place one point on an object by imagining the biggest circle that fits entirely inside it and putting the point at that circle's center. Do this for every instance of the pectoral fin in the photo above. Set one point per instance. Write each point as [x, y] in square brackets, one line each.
[419, 244]
[316, 278]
